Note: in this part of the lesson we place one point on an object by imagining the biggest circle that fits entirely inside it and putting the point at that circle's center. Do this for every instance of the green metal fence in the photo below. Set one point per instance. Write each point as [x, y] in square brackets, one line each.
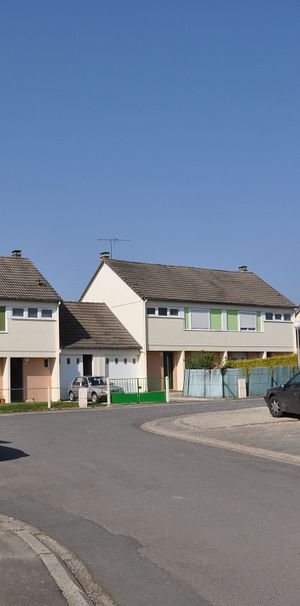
[135, 391]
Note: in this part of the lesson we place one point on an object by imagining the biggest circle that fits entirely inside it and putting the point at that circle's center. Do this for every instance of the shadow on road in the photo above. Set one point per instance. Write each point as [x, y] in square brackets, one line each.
[8, 454]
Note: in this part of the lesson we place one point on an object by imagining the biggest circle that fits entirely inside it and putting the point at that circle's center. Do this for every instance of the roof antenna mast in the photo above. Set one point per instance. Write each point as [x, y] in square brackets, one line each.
[111, 242]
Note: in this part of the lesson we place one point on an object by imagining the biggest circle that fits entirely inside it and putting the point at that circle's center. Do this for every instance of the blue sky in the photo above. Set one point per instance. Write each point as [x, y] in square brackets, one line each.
[173, 124]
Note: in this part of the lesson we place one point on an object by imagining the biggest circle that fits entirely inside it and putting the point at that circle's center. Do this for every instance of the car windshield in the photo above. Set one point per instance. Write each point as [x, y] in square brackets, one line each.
[97, 381]
[295, 380]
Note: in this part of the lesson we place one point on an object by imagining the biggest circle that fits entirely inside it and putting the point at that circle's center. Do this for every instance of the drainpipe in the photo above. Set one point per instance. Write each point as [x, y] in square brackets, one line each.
[145, 338]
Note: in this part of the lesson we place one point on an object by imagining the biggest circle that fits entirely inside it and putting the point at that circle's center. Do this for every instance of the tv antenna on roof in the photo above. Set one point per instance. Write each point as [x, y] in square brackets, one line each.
[111, 242]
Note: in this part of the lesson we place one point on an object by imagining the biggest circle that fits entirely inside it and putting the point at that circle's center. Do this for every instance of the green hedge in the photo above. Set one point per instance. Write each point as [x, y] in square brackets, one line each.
[200, 359]
[289, 360]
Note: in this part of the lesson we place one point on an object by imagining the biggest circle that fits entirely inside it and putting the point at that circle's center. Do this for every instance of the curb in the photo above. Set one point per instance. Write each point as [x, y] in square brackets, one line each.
[68, 572]
[178, 429]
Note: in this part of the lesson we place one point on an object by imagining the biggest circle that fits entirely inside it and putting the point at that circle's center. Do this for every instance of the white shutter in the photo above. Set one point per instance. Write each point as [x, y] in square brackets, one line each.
[247, 321]
[199, 319]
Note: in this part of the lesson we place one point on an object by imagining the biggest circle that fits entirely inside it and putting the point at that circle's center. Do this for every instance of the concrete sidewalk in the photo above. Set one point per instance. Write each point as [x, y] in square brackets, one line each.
[37, 571]
[250, 431]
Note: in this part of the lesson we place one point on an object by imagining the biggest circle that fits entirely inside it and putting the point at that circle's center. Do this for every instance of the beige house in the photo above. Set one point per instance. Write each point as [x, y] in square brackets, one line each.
[29, 332]
[172, 311]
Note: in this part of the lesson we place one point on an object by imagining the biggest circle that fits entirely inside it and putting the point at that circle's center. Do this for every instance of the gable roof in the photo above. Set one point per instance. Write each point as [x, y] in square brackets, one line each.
[21, 280]
[92, 326]
[196, 285]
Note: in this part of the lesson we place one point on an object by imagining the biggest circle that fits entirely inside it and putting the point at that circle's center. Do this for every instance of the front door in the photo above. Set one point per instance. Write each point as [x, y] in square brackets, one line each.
[87, 365]
[16, 379]
[168, 367]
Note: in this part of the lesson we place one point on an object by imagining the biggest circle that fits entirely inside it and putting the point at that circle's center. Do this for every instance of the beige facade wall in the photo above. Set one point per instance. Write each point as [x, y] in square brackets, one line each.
[33, 340]
[169, 334]
[29, 337]
[129, 308]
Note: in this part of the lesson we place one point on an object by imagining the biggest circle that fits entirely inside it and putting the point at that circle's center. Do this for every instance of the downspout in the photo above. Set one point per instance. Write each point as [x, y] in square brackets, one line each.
[145, 336]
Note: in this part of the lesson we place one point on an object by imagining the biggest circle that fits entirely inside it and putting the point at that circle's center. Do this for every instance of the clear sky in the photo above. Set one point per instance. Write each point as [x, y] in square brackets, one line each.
[173, 124]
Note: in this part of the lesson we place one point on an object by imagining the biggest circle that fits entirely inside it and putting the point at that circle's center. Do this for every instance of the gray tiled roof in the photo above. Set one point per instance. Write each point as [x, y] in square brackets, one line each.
[21, 280]
[92, 326]
[196, 285]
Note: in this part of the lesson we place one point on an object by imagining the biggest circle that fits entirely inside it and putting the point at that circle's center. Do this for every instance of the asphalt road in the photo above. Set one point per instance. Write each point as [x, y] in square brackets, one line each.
[156, 520]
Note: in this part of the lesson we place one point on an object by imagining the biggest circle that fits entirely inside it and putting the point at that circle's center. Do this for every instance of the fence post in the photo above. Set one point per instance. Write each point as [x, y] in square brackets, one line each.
[49, 397]
[108, 391]
[167, 385]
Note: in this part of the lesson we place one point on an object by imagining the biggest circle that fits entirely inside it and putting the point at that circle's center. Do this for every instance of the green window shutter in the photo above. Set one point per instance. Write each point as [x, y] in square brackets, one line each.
[2, 319]
[216, 319]
[186, 318]
[258, 321]
[232, 320]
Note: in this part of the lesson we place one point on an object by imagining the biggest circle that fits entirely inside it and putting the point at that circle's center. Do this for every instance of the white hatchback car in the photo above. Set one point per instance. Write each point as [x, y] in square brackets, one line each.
[96, 386]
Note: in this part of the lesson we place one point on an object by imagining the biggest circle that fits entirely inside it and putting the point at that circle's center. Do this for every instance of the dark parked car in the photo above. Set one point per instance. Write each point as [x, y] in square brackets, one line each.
[96, 386]
[285, 398]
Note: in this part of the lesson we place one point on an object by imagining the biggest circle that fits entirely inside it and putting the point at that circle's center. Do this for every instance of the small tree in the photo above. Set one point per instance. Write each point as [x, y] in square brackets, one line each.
[200, 359]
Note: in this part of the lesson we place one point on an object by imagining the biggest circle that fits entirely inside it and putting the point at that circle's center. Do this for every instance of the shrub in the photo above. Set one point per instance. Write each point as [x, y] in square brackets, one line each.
[288, 360]
[200, 359]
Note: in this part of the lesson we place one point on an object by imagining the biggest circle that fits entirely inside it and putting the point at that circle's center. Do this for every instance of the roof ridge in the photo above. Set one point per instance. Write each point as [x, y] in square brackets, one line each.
[231, 271]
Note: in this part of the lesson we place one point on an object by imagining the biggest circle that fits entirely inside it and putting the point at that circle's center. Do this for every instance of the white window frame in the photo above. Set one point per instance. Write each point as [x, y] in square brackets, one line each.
[168, 307]
[25, 316]
[282, 314]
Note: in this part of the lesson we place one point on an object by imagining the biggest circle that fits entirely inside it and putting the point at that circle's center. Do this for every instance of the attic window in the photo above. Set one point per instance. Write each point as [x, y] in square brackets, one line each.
[18, 312]
[162, 311]
[32, 312]
[151, 311]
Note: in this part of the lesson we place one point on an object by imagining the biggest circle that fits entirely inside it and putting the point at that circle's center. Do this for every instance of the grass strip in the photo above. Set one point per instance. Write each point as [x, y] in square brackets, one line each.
[35, 406]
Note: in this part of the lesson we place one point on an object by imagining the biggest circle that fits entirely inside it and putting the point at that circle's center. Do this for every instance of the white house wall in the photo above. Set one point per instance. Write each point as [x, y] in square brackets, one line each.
[71, 366]
[122, 364]
[106, 363]
[127, 306]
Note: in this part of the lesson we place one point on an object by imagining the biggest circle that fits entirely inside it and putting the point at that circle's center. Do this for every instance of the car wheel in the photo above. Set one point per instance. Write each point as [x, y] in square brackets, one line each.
[94, 398]
[71, 396]
[275, 407]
